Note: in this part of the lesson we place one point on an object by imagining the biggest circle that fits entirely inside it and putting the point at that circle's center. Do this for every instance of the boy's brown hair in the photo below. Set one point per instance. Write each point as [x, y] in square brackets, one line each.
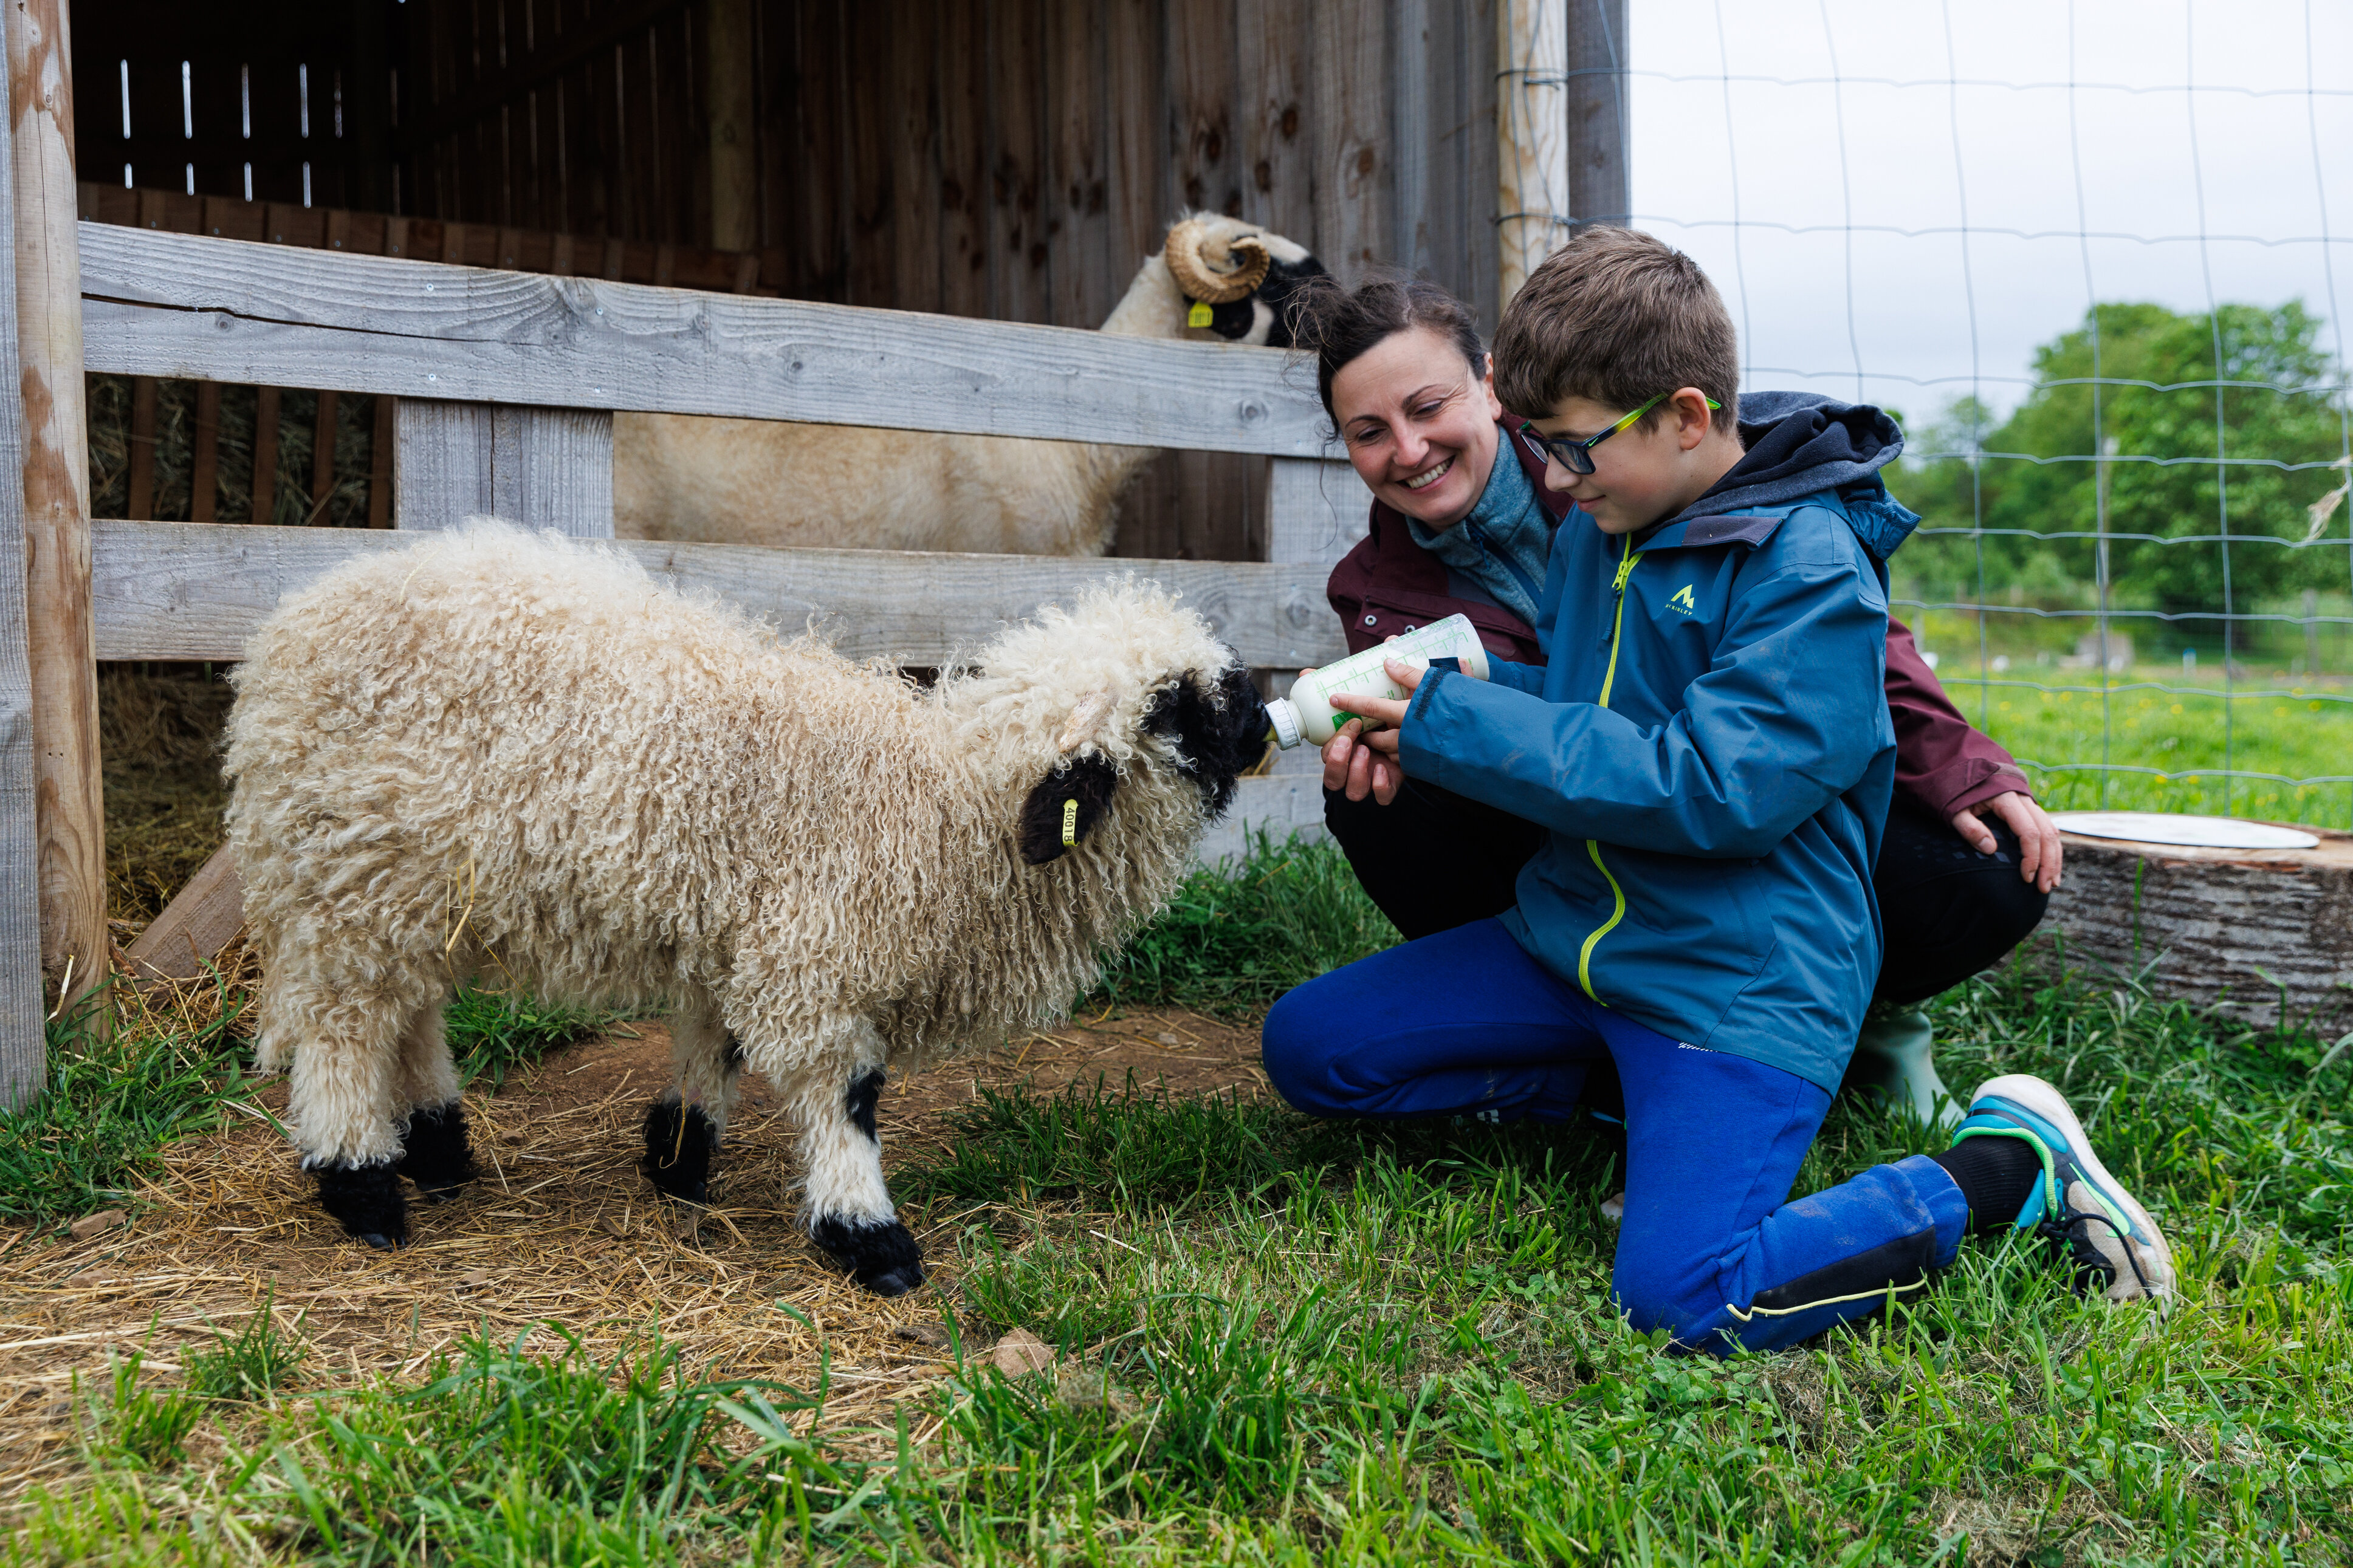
[1616, 317]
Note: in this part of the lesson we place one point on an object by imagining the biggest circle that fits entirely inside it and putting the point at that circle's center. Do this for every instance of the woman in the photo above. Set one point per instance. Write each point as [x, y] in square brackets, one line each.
[1461, 524]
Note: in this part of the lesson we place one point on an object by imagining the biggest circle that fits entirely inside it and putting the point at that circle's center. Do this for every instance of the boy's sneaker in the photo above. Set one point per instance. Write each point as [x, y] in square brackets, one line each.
[2084, 1211]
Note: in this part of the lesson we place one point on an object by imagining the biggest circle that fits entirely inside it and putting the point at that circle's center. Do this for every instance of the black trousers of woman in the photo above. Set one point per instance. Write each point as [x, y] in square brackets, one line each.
[1433, 860]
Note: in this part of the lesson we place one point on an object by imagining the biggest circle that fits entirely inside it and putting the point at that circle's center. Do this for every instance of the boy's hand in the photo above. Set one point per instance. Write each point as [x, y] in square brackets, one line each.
[2038, 848]
[1358, 765]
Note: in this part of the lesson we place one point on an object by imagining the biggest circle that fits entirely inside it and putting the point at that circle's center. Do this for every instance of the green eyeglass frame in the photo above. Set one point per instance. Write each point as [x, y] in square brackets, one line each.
[1576, 456]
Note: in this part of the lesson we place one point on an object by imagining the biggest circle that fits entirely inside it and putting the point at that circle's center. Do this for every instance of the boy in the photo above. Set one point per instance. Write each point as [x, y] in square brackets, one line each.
[1708, 746]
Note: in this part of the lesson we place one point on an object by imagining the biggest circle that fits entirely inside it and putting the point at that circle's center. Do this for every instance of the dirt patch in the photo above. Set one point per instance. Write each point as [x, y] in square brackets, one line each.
[561, 1228]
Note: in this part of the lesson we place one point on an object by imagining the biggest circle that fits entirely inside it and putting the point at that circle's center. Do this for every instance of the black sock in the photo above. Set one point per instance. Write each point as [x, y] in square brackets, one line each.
[1995, 1176]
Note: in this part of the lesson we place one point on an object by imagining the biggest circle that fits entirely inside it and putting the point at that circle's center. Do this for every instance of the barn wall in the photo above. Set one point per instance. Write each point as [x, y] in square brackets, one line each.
[272, 85]
[1015, 159]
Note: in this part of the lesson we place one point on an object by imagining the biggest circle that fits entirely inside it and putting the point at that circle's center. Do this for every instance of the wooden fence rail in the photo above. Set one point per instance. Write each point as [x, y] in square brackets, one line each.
[197, 591]
[221, 310]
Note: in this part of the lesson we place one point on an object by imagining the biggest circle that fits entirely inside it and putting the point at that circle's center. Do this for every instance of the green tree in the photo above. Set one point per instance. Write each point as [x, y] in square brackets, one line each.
[2156, 402]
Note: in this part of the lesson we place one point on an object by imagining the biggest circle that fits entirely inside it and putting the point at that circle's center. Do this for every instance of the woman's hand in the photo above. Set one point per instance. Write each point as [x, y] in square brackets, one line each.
[2038, 848]
[1358, 765]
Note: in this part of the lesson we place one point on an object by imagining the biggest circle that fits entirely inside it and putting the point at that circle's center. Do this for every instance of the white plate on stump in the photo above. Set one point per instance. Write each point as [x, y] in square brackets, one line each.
[2200, 832]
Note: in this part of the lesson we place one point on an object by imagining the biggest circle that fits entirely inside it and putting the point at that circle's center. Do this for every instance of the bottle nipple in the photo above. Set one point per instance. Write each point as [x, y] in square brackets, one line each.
[1284, 718]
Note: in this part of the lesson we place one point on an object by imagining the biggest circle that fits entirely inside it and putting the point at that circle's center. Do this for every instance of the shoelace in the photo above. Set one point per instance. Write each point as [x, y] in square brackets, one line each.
[2056, 1232]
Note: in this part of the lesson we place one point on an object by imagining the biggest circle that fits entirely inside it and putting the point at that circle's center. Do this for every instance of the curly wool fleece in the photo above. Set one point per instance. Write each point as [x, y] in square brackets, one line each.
[523, 756]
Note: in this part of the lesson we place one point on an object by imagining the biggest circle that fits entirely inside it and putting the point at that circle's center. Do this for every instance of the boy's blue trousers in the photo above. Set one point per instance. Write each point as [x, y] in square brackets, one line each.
[1465, 1023]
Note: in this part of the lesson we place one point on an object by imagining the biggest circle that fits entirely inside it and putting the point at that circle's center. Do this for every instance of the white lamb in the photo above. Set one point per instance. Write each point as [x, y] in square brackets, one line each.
[760, 481]
[523, 757]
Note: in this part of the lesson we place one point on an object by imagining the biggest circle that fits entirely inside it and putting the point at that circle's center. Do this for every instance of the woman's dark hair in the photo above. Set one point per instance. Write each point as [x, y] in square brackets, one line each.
[1337, 324]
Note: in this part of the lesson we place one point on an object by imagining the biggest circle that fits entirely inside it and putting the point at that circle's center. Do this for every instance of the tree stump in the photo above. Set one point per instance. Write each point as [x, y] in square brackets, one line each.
[2267, 934]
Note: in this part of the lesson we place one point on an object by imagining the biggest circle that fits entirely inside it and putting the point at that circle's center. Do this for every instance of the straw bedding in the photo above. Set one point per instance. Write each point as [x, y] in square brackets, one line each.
[561, 1229]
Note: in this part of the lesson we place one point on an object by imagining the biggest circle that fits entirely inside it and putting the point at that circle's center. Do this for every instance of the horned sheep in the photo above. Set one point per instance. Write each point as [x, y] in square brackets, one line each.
[754, 481]
[523, 757]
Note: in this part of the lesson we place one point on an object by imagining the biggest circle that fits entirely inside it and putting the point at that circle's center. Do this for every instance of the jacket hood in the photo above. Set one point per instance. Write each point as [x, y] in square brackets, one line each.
[1801, 444]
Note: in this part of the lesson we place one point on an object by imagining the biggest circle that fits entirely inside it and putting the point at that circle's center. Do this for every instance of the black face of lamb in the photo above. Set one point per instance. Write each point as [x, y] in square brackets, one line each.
[1283, 280]
[882, 1257]
[435, 1153]
[365, 1200]
[679, 1141]
[1088, 780]
[1218, 736]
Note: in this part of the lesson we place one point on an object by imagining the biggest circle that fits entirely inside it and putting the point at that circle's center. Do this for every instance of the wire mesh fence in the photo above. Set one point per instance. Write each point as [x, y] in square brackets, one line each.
[2102, 295]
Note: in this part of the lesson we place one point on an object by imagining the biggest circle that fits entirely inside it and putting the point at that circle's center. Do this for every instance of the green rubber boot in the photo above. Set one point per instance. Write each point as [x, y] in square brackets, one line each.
[1894, 1062]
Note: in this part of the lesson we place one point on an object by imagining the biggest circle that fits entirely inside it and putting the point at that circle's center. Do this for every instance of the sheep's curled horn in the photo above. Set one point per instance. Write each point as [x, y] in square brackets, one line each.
[1188, 262]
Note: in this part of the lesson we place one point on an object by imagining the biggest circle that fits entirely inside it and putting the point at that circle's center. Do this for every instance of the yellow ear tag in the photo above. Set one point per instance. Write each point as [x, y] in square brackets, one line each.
[1069, 822]
[1198, 316]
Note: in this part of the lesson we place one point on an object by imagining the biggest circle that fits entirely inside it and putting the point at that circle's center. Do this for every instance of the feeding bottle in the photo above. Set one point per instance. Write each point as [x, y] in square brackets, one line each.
[1307, 714]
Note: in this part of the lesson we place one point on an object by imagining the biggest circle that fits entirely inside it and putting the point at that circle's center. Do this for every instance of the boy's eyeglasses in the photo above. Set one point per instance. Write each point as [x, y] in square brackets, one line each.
[1576, 456]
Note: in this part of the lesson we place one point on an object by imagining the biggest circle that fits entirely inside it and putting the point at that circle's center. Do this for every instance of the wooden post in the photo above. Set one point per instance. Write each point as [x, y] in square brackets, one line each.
[1532, 197]
[539, 467]
[1598, 189]
[23, 1056]
[62, 659]
[735, 167]
[264, 453]
[322, 456]
[203, 469]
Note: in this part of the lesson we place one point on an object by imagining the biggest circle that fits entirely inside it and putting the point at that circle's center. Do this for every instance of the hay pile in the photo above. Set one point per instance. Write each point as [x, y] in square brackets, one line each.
[159, 737]
[175, 426]
[561, 1229]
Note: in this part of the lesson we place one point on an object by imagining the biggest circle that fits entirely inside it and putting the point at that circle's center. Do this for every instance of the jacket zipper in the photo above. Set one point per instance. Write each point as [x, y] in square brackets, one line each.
[1593, 847]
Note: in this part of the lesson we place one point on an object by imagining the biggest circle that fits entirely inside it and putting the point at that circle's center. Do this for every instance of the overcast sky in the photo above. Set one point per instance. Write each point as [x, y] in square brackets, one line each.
[2189, 117]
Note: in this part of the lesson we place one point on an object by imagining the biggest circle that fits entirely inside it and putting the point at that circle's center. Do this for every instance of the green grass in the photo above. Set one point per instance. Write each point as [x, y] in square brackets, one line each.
[253, 1363]
[111, 1104]
[2169, 745]
[492, 1033]
[1292, 1342]
[1236, 937]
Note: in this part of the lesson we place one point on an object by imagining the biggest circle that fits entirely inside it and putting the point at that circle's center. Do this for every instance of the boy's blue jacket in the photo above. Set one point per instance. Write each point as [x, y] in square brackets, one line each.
[1708, 740]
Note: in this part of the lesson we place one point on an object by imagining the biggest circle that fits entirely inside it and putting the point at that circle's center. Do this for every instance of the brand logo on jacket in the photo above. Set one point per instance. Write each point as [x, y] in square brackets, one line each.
[1680, 601]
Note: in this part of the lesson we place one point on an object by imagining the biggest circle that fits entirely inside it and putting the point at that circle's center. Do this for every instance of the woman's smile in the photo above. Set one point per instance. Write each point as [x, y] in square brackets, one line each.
[1430, 476]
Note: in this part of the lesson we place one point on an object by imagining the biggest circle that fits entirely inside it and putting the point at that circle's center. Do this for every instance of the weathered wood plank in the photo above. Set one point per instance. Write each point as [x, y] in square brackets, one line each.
[1017, 214]
[323, 455]
[1354, 180]
[1595, 111]
[1532, 194]
[217, 309]
[265, 452]
[540, 467]
[1275, 124]
[35, 78]
[204, 468]
[963, 47]
[1078, 231]
[1287, 801]
[914, 146]
[69, 819]
[187, 591]
[735, 167]
[1315, 511]
[143, 392]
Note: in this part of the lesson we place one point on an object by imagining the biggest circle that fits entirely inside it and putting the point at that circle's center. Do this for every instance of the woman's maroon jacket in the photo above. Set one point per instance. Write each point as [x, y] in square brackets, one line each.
[1388, 585]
